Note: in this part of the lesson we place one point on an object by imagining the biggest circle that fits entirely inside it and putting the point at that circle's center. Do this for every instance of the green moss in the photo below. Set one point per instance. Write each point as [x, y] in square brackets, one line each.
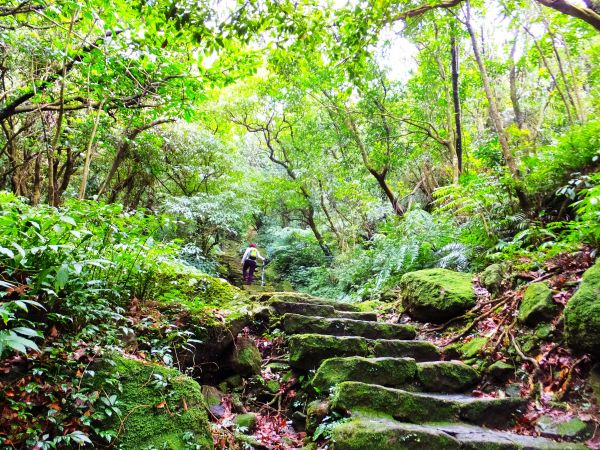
[436, 295]
[371, 305]
[574, 428]
[446, 376]
[473, 347]
[543, 331]
[383, 371]
[308, 350]
[537, 305]
[295, 323]
[386, 434]
[158, 405]
[247, 422]
[402, 405]
[501, 369]
[491, 278]
[582, 314]
[246, 359]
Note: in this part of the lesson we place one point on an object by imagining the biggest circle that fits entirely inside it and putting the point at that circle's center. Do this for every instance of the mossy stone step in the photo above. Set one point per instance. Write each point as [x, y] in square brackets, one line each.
[437, 376]
[304, 298]
[368, 316]
[307, 351]
[419, 407]
[446, 376]
[296, 324]
[386, 434]
[314, 309]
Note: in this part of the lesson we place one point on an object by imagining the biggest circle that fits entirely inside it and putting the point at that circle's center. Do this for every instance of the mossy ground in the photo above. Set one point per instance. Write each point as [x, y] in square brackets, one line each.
[161, 408]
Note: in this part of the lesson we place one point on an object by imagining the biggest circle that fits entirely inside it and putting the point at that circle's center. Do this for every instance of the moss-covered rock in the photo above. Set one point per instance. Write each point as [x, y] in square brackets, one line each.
[246, 422]
[308, 350]
[419, 350]
[491, 278]
[537, 305]
[316, 411]
[386, 434]
[383, 371]
[501, 370]
[419, 408]
[582, 314]
[574, 428]
[446, 376]
[295, 324]
[245, 358]
[436, 295]
[305, 298]
[161, 408]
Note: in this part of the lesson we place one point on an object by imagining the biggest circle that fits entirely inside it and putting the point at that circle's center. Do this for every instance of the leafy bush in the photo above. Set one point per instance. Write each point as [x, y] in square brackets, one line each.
[550, 168]
[69, 279]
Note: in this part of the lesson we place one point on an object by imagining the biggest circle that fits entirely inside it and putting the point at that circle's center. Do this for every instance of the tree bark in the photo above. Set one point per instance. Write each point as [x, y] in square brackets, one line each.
[496, 118]
[88, 154]
[123, 149]
[458, 147]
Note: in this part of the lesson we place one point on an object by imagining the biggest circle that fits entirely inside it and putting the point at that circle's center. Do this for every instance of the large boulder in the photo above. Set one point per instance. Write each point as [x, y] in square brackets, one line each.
[582, 314]
[160, 407]
[437, 295]
[537, 305]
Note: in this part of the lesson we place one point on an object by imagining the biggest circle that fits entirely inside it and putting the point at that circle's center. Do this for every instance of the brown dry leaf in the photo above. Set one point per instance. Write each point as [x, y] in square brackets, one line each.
[161, 405]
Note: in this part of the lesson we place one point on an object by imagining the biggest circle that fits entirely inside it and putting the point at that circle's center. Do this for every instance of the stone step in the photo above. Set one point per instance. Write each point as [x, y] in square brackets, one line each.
[386, 434]
[316, 310]
[420, 407]
[438, 376]
[307, 351]
[297, 324]
[305, 298]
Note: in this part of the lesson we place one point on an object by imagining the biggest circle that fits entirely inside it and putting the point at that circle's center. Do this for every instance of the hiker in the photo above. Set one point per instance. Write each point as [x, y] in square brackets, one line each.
[249, 263]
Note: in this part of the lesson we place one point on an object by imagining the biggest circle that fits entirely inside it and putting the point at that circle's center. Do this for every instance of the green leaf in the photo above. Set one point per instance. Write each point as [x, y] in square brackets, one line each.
[8, 252]
[62, 276]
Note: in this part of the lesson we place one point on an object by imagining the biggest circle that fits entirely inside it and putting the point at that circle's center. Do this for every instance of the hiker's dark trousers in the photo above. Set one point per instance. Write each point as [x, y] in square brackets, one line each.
[248, 271]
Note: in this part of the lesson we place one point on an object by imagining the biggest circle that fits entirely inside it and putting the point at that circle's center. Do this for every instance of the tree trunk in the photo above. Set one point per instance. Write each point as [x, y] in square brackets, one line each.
[88, 154]
[379, 176]
[123, 148]
[458, 147]
[496, 118]
[514, 97]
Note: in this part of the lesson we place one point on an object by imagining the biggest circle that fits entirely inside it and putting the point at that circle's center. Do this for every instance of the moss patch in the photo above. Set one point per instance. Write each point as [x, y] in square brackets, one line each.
[295, 324]
[446, 376]
[383, 371]
[537, 305]
[436, 295]
[308, 350]
[161, 408]
[245, 359]
[582, 314]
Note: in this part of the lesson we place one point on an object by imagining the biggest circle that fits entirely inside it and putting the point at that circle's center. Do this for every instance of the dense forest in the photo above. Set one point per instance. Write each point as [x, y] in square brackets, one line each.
[380, 153]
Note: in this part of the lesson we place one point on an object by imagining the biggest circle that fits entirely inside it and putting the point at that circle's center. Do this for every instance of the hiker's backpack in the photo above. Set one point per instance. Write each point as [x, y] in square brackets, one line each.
[253, 254]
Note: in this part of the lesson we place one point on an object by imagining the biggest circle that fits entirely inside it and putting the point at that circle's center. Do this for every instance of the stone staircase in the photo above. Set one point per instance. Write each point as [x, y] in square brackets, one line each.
[396, 391]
